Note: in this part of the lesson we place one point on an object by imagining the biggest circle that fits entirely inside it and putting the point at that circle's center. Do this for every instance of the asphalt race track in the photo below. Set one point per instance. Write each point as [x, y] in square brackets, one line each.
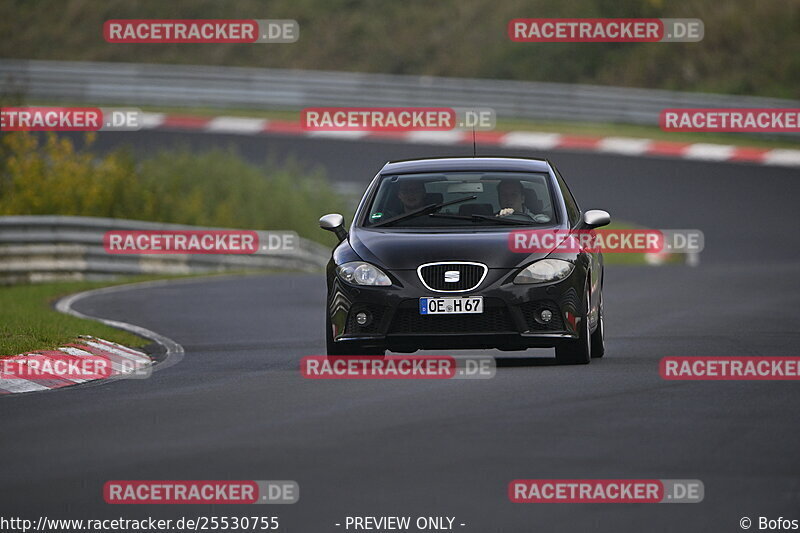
[236, 406]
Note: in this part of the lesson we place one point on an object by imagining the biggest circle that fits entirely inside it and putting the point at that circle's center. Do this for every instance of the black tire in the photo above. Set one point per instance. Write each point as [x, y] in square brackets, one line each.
[348, 348]
[578, 352]
[598, 337]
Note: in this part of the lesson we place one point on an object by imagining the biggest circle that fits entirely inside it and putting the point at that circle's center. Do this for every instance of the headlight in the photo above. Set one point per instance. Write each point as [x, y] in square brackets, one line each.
[361, 273]
[544, 271]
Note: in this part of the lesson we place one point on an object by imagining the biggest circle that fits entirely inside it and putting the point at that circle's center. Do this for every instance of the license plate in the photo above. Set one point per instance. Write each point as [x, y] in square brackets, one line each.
[450, 306]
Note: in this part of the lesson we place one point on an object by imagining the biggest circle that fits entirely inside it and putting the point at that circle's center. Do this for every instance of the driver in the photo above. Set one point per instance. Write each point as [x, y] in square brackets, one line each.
[512, 201]
[411, 194]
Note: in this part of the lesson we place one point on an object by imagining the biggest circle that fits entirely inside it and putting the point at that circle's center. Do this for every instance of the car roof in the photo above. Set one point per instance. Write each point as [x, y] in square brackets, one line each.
[441, 164]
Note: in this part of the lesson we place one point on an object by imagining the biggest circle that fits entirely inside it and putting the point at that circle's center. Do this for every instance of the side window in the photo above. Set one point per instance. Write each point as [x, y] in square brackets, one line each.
[573, 211]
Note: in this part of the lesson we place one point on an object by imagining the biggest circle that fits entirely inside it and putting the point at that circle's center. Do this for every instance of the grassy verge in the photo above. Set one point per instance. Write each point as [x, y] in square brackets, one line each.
[28, 321]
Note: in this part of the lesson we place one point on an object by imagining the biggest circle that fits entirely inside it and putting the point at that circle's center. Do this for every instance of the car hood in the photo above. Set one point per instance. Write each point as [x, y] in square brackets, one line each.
[396, 250]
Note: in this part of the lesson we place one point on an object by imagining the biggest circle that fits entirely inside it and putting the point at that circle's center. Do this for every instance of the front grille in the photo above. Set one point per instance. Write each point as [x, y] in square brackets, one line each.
[494, 319]
[531, 311]
[470, 276]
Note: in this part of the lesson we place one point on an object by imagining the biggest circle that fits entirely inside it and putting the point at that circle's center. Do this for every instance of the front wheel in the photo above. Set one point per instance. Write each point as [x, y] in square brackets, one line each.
[598, 337]
[578, 352]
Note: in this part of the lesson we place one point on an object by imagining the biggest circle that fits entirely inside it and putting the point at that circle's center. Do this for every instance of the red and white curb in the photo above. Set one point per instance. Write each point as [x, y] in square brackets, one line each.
[123, 361]
[515, 139]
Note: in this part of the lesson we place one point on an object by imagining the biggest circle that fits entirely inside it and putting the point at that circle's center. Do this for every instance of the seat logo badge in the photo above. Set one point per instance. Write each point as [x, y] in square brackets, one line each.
[452, 276]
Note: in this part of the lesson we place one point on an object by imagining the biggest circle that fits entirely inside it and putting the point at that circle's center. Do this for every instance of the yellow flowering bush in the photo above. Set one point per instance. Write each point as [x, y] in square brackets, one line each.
[46, 174]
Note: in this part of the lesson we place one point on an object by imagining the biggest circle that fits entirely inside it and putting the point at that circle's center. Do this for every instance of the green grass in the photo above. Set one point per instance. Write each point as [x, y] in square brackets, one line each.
[29, 322]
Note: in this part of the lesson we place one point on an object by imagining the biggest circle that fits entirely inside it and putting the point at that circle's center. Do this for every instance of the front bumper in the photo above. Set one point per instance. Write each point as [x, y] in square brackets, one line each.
[511, 319]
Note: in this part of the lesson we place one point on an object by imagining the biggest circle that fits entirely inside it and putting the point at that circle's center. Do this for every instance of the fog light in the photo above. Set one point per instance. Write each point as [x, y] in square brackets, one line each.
[546, 315]
[362, 319]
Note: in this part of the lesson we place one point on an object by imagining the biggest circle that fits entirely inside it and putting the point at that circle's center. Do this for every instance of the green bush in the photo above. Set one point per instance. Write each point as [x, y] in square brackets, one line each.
[48, 176]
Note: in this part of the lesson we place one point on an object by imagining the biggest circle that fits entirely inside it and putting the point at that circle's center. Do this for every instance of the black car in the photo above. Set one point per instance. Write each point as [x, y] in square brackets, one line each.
[427, 263]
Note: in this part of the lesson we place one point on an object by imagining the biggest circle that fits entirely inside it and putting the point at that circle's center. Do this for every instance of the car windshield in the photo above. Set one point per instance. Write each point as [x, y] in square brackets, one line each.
[462, 199]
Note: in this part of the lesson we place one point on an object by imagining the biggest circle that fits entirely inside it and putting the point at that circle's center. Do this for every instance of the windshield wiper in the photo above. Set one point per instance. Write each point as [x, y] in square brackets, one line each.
[424, 210]
[481, 217]
[501, 220]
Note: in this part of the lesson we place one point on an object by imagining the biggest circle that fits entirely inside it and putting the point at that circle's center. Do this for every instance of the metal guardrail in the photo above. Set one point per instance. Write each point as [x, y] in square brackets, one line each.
[234, 87]
[48, 247]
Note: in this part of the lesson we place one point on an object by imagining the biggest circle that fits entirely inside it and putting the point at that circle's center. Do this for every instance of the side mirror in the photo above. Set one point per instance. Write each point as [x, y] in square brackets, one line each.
[596, 218]
[335, 223]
